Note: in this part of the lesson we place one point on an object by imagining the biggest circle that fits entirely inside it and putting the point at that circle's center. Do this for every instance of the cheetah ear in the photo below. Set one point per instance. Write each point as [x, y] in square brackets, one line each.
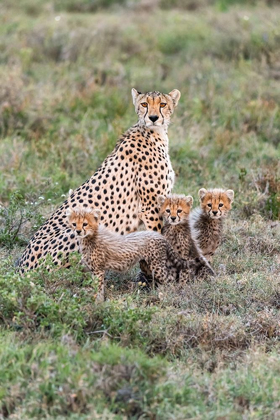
[134, 94]
[189, 200]
[96, 213]
[161, 199]
[230, 195]
[69, 212]
[202, 193]
[175, 95]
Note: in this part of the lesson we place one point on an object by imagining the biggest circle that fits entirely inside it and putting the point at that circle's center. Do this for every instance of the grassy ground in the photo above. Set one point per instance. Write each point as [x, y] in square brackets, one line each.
[210, 351]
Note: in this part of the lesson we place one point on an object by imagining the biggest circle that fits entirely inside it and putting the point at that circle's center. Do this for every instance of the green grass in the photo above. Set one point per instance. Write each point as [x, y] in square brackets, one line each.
[210, 350]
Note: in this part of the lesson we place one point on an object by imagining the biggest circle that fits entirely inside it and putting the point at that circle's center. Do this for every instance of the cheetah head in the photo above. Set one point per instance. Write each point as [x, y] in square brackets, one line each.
[215, 203]
[83, 220]
[154, 109]
[175, 208]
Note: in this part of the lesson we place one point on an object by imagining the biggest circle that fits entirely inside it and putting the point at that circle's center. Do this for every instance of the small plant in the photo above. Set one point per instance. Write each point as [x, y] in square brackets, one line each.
[15, 217]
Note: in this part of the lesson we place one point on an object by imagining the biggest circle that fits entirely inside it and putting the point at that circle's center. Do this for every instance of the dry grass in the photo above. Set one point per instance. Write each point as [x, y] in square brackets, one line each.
[210, 349]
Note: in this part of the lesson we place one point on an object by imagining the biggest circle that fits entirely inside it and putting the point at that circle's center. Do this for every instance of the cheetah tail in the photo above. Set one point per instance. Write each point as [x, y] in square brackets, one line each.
[178, 262]
[199, 266]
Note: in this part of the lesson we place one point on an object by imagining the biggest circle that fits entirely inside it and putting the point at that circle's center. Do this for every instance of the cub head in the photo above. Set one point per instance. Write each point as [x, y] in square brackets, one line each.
[83, 220]
[215, 203]
[154, 108]
[174, 208]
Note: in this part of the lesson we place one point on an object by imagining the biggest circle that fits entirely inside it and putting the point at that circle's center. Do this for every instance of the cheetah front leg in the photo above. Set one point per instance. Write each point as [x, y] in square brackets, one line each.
[160, 272]
[185, 276]
[158, 264]
[152, 221]
[100, 274]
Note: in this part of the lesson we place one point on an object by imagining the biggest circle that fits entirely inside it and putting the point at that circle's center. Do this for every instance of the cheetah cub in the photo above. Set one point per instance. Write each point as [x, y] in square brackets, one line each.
[175, 210]
[207, 221]
[104, 250]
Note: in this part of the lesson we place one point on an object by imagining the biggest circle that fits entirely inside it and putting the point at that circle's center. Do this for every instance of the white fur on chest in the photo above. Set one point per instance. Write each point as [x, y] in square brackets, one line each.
[161, 132]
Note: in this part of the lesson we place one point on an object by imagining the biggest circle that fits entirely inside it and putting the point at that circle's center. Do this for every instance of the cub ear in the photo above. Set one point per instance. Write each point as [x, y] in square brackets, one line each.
[161, 199]
[135, 93]
[175, 95]
[69, 212]
[189, 200]
[230, 195]
[96, 213]
[202, 193]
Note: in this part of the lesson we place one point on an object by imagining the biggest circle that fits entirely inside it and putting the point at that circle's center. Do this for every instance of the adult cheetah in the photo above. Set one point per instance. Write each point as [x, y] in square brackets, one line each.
[125, 186]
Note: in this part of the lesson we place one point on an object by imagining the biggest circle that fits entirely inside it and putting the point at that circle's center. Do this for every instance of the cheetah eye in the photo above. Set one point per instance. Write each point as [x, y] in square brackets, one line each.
[209, 205]
[179, 211]
[144, 104]
[162, 105]
[167, 211]
[85, 224]
[221, 205]
[74, 224]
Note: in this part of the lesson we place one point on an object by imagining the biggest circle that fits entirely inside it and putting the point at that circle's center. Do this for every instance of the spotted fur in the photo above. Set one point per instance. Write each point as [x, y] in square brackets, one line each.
[125, 185]
[207, 221]
[104, 250]
[175, 210]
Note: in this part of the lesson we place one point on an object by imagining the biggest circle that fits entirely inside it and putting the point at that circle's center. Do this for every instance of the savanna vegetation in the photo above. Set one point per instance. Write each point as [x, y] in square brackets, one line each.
[210, 350]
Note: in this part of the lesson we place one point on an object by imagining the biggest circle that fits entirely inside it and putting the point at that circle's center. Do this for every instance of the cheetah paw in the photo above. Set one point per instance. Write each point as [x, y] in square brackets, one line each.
[99, 298]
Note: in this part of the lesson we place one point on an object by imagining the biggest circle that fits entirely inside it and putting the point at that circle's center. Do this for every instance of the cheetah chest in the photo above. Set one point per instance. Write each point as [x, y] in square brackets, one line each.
[162, 155]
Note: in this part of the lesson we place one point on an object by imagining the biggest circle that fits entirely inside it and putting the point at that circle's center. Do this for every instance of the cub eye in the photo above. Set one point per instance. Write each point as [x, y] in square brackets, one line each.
[167, 211]
[221, 205]
[162, 105]
[85, 224]
[179, 211]
[144, 104]
[209, 205]
[74, 224]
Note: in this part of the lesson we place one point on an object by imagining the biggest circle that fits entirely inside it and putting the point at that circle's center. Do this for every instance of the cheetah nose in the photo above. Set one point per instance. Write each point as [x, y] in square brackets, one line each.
[173, 218]
[153, 118]
[78, 232]
[214, 212]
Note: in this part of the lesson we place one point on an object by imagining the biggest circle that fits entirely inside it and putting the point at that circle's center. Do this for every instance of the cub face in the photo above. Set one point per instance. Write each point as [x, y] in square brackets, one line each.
[154, 108]
[174, 208]
[83, 221]
[216, 203]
